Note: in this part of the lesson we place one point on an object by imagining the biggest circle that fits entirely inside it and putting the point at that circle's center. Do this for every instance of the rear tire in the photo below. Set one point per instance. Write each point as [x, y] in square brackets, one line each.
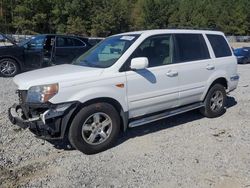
[8, 67]
[95, 128]
[245, 61]
[215, 102]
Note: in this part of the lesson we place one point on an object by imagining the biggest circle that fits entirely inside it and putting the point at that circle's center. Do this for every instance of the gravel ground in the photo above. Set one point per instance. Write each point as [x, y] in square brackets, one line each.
[187, 150]
[239, 44]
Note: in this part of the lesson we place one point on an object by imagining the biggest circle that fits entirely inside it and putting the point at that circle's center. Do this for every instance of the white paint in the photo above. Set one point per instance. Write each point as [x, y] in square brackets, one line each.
[146, 91]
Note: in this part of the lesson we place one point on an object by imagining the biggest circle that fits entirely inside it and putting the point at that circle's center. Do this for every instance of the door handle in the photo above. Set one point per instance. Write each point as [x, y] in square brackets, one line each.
[210, 67]
[172, 73]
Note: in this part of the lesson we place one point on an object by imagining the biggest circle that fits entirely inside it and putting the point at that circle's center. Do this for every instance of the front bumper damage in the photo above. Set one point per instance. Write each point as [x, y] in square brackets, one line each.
[46, 121]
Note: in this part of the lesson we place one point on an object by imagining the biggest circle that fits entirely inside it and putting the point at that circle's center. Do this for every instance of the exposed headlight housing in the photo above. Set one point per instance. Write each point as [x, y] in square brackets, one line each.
[42, 93]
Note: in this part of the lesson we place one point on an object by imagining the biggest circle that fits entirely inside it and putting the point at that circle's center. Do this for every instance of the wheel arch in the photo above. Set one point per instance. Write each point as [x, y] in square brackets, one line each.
[19, 63]
[220, 80]
[123, 115]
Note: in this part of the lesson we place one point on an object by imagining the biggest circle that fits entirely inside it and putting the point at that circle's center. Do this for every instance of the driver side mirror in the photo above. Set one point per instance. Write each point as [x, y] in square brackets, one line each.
[139, 63]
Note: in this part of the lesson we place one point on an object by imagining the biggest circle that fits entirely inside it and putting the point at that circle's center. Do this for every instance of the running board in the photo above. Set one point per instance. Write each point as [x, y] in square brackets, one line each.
[165, 114]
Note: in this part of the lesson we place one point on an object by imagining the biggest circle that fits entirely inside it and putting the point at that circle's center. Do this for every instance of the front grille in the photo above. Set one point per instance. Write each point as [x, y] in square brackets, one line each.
[22, 94]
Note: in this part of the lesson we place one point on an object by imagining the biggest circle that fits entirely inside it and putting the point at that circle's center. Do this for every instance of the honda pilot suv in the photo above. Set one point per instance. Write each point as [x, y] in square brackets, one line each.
[127, 80]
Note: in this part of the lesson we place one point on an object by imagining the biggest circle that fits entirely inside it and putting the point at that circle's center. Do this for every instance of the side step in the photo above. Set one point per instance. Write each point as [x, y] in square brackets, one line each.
[165, 114]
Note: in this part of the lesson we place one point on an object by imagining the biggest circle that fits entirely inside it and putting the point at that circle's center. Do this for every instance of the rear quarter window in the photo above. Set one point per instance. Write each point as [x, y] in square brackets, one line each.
[79, 43]
[219, 45]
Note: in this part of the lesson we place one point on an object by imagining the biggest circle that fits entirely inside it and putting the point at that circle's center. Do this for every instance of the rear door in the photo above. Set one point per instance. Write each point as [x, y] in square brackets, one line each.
[67, 48]
[80, 47]
[194, 66]
[155, 88]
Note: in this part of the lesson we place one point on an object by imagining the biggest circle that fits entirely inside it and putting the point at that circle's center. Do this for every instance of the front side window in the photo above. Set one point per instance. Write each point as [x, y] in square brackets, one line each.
[219, 45]
[106, 53]
[158, 50]
[190, 47]
[37, 42]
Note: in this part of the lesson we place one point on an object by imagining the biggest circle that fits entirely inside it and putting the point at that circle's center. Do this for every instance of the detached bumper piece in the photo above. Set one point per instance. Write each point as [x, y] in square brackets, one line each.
[46, 122]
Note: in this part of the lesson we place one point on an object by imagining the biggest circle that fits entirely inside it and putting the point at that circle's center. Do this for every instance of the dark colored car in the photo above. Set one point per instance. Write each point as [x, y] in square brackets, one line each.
[39, 51]
[243, 55]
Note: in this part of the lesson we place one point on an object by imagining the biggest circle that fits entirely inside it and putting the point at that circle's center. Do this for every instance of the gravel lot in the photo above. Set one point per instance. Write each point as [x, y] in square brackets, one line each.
[183, 151]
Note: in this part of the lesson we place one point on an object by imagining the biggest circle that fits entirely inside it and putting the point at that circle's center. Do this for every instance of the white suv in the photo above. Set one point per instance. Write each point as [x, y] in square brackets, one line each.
[127, 80]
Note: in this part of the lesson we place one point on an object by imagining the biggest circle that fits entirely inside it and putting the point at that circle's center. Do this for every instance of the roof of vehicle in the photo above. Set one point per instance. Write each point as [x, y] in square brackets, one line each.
[76, 36]
[162, 31]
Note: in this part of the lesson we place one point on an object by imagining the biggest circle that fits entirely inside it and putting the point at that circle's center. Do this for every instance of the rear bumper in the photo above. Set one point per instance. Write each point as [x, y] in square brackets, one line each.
[50, 124]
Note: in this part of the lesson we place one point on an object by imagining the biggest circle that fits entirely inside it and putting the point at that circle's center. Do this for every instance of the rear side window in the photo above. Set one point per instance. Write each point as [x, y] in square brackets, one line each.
[190, 47]
[64, 42]
[219, 45]
[78, 43]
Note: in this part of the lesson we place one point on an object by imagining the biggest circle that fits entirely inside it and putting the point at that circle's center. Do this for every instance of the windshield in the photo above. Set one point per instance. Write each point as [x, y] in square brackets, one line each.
[241, 52]
[106, 53]
[5, 41]
[24, 41]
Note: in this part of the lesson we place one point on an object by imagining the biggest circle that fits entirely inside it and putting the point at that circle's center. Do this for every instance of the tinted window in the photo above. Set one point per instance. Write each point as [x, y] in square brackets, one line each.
[64, 42]
[157, 49]
[190, 47]
[219, 45]
[37, 42]
[77, 42]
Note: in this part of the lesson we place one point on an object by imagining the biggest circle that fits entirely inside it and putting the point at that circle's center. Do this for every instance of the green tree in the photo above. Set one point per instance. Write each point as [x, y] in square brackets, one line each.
[106, 17]
[109, 17]
[32, 16]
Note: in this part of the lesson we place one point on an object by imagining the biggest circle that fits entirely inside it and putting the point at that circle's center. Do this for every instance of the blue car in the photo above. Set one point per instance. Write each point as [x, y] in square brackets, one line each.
[243, 55]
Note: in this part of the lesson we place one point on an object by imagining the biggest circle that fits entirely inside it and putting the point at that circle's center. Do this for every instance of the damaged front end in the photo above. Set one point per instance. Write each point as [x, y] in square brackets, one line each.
[45, 120]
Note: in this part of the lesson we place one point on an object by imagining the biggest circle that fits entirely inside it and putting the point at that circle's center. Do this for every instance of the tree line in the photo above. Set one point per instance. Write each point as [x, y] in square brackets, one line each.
[106, 17]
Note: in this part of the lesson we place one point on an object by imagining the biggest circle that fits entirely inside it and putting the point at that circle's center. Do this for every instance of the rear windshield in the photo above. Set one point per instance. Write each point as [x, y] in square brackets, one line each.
[219, 45]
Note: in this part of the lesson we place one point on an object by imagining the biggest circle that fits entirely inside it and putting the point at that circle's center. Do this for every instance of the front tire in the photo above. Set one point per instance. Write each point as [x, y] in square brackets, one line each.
[95, 128]
[8, 67]
[215, 102]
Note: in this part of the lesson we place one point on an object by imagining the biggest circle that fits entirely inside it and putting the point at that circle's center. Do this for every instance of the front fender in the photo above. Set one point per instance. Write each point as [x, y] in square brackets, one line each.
[87, 94]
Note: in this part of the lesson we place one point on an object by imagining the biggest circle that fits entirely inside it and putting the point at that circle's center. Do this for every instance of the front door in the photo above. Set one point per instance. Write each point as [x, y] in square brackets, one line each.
[155, 88]
[34, 52]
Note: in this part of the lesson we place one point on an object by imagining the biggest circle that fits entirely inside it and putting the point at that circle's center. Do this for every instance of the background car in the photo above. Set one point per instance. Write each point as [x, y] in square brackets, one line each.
[39, 51]
[95, 40]
[243, 55]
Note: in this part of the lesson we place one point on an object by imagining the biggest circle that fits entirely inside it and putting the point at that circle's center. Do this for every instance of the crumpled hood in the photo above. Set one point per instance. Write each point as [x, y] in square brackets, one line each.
[56, 74]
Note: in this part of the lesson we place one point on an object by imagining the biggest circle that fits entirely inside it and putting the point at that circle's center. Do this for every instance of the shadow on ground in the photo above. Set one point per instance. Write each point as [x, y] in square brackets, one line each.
[152, 127]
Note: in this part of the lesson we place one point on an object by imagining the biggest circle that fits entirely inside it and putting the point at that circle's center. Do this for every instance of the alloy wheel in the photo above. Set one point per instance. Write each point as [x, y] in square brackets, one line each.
[8, 68]
[216, 101]
[97, 128]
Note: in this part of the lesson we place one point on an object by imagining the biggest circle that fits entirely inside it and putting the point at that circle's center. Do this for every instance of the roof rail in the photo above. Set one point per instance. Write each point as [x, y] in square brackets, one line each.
[195, 28]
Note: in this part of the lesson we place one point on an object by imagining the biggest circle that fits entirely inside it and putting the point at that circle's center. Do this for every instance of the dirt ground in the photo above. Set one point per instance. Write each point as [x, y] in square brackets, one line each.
[187, 150]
